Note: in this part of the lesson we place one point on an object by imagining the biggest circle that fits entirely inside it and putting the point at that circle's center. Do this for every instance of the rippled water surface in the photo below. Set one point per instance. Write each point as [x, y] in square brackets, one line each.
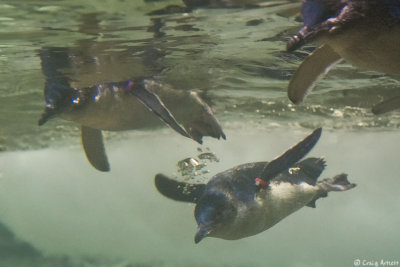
[57, 210]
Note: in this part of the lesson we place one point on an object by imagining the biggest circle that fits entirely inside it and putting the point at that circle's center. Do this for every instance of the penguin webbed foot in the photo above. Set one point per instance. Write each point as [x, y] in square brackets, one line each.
[337, 183]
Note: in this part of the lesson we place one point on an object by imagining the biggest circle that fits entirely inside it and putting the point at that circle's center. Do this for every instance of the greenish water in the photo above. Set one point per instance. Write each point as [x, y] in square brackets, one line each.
[56, 210]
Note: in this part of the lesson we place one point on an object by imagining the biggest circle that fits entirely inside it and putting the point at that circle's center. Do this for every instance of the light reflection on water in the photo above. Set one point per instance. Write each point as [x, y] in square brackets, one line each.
[52, 199]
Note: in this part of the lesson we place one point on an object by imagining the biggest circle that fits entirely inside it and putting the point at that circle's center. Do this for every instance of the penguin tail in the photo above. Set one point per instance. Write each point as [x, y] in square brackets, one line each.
[337, 183]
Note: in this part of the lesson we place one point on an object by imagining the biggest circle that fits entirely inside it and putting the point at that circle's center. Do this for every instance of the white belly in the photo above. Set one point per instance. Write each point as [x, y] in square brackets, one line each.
[375, 48]
[269, 208]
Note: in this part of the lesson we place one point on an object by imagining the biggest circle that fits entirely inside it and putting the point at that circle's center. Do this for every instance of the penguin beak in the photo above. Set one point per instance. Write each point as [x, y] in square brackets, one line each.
[201, 233]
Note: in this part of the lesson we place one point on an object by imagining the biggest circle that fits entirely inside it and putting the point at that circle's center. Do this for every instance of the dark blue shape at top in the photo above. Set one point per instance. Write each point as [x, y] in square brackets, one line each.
[393, 7]
[314, 12]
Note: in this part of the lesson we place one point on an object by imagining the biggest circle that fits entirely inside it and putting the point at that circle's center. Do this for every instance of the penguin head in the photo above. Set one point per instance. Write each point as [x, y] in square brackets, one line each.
[213, 213]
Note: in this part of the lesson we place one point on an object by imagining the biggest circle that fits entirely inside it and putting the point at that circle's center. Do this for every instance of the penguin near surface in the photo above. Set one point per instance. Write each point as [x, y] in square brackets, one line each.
[365, 33]
[117, 106]
[250, 198]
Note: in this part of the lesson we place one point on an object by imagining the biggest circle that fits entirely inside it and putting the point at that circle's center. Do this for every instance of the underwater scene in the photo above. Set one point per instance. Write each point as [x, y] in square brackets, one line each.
[199, 133]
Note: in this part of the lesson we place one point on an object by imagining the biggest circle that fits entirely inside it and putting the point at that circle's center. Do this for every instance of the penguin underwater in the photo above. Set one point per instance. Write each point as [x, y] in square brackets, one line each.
[117, 106]
[366, 33]
[250, 198]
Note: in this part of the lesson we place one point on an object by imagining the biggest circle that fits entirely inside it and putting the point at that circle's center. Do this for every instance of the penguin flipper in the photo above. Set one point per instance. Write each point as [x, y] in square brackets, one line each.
[154, 103]
[92, 141]
[386, 106]
[337, 183]
[291, 156]
[313, 68]
[179, 191]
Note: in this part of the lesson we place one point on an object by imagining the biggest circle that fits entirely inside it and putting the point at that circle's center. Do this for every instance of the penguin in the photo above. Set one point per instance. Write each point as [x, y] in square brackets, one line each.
[117, 106]
[250, 198]
[365, 33]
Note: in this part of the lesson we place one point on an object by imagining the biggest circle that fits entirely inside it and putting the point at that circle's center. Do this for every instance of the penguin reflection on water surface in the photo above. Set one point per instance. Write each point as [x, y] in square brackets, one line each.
[250, 198]
[117, 106]
[366, 33]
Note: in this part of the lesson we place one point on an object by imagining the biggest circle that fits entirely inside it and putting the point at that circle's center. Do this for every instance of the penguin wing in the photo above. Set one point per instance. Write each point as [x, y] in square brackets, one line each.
[154, 103]
[313, 68]
[291, 156]
[92, 141]
[386, 106]
[179, 191]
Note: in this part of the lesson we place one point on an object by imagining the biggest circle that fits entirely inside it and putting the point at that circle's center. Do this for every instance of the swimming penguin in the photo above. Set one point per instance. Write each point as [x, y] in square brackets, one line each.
[117, 106]
[250, 198]
[366, 33]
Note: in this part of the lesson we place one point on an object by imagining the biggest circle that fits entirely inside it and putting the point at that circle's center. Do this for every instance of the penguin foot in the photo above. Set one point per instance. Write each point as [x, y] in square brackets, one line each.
[337, 183]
